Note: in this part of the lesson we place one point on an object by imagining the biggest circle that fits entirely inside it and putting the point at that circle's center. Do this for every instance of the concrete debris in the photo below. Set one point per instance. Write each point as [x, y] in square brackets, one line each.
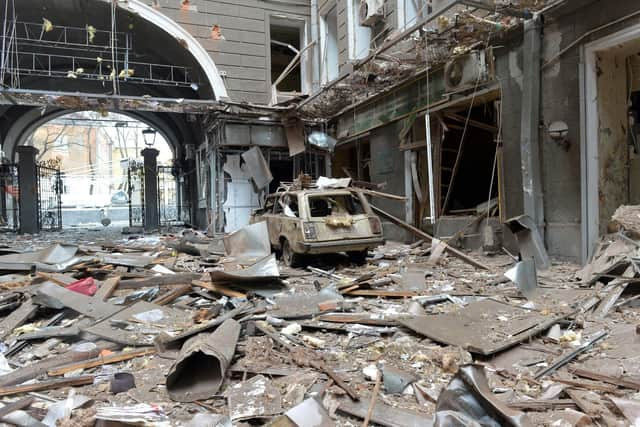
[174, 338]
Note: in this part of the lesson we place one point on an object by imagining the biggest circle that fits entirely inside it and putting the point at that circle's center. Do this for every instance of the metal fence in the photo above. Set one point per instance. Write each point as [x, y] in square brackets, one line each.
[172, 210]
[9, 198]
[49, 199]
[135, 190]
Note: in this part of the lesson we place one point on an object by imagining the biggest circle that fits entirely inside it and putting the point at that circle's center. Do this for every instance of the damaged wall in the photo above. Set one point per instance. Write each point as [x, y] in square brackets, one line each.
[387, 166]
[561, 101]
[612, 147]
[236, 35]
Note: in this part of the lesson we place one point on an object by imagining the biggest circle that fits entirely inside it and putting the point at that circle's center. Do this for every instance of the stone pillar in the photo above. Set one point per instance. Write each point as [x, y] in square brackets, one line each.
[151, 212]
[28, 182]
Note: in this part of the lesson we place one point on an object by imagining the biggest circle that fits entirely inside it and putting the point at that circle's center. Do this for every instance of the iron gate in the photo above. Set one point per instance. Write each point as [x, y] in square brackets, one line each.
[135, 191]
[9, 198]
[49, 198]
[171, 209]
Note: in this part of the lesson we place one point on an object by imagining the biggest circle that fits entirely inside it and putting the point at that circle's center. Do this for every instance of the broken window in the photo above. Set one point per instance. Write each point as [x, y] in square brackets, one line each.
[337, 205]
[410, 12]
[329, 45]
[468, 175]
[285, 45]
[359, 35]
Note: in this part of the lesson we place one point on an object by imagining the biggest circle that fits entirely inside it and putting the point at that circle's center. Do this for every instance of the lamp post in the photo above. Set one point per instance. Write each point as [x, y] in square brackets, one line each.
[149, 136]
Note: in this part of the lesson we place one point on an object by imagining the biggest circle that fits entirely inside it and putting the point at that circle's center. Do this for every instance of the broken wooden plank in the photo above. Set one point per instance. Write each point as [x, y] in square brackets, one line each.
[47, 385]
[107, 288]
[165, 280]
[542, 405]
[379, 293]
[18, 317]
[385, 415]
[16, 406]
[219, 289]
[588, 385]
[363, 319]
[99, 361]
[618, 381]
[36, 369]
[57, 278]
[455, 252]
[172, 295]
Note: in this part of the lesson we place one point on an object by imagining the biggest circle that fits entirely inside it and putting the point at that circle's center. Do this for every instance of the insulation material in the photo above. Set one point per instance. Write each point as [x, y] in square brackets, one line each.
[242, 198]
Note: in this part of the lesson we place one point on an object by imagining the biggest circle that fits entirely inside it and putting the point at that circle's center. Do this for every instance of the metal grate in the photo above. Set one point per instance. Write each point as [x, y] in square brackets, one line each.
[49, 199]
[170, 204]
[135, 190]
[9, 198]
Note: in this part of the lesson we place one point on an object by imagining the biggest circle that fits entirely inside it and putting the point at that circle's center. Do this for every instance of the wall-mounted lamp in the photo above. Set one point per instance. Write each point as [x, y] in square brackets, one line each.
[559, 132]
[149, 136]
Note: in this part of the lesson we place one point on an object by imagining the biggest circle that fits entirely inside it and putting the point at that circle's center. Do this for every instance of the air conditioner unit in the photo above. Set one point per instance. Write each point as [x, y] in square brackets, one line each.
[466, 71]
[371, 11]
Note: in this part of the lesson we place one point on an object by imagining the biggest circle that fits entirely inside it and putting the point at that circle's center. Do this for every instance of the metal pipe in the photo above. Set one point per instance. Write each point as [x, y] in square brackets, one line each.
[315, 77]
[432, 202]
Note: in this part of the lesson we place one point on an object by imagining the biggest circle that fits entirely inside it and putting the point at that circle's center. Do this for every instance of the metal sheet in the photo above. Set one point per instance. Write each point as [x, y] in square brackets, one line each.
[467, 400]
[124, 328]
[55, 296]
[257, 167]
[200, 368]
[310, 413]
[53, 255]
[529, 240]
[295, 137]
[264, 270]
[524, 275]
[128, 260]
[483, 327]
[250, 242]
[241, 198]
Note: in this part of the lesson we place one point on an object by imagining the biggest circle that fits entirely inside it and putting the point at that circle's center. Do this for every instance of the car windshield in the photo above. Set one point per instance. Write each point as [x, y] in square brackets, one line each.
[334, 205]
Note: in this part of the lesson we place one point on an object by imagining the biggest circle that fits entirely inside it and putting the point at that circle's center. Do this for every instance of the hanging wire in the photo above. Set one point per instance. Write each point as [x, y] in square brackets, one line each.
[114, 64]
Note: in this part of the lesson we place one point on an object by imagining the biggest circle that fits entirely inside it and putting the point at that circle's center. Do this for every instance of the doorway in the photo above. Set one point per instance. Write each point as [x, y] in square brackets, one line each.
[610, 162]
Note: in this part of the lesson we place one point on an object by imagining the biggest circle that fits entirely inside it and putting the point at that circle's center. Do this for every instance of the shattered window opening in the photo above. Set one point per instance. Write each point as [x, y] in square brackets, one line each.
[337, 205]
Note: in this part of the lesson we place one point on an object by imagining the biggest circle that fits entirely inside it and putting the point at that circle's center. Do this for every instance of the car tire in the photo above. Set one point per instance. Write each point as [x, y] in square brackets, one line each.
[289, 257]
[358, 257]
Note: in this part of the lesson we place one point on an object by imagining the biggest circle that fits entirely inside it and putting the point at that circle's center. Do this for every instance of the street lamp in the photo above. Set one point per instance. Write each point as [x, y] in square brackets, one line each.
[149, 136]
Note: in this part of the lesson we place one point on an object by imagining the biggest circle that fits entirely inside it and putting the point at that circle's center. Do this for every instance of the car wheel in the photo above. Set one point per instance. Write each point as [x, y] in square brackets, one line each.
[358, 257]
[289, 257]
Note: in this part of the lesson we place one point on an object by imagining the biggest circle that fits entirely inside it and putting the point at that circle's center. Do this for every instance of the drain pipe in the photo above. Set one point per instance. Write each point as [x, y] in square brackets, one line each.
[315, 36]
[530, 123]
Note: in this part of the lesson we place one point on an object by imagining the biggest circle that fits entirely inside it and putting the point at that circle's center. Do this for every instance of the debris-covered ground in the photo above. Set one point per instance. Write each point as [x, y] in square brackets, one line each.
[170, 330]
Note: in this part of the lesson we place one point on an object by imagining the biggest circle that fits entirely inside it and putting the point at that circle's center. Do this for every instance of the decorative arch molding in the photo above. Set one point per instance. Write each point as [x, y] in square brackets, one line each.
[31, 120]
[187, 40]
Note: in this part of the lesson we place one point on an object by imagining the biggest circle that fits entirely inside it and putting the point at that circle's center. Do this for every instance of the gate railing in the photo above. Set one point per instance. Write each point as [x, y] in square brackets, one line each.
[135, 190]
[171, 209]
[49, 198]
[9, 198]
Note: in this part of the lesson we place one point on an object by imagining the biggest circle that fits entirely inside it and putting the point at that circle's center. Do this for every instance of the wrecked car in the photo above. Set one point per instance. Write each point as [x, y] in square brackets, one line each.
[315, 221]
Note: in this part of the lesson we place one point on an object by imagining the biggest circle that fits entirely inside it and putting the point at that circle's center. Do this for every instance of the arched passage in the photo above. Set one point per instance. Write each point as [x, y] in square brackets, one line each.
[103, 170]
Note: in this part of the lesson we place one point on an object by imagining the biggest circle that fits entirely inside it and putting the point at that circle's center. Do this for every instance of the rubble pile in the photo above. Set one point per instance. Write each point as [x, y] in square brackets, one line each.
[185, 329]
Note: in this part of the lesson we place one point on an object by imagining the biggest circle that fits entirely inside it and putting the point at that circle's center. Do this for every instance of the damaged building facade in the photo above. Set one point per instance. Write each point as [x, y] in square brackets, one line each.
[520, 104]
[469, 109]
